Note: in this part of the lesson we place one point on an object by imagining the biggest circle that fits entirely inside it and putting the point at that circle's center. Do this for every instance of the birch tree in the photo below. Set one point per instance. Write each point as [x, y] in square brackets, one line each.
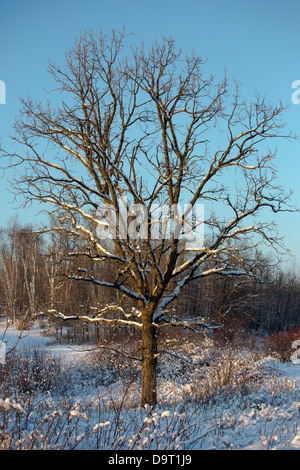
[127, 132]
[10, 269]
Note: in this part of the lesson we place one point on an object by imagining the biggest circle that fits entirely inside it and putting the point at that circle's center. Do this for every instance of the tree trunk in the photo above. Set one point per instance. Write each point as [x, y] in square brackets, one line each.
[149, 361]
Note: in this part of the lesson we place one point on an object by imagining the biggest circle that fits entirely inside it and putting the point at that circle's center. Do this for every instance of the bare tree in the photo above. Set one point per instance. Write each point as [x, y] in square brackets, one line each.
[20, 267]
[132, 133]
[10, 268]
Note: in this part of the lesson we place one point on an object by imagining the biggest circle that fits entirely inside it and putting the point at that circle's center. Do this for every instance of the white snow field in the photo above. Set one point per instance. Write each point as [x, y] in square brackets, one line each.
[237, 400]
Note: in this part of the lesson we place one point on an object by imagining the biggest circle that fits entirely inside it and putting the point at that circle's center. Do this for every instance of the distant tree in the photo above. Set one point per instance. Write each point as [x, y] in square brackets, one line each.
[10, 269]
[131, 134]
[21, 267]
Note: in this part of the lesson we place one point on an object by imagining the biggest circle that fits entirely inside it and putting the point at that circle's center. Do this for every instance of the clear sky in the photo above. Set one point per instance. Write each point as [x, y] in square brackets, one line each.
[257, 42]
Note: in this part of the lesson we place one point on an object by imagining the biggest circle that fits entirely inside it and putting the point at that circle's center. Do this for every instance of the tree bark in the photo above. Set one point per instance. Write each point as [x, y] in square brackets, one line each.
[149, 360]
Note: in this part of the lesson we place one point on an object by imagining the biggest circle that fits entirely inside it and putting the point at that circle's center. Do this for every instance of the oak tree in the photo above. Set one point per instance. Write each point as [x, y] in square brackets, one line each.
[131, 146]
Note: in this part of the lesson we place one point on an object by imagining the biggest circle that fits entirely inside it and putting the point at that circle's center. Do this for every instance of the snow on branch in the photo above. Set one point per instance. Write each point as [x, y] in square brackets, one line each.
[98, 318]
[189, 324]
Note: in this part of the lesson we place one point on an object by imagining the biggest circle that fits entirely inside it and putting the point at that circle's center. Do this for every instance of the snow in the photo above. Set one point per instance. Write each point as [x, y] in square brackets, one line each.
[292, 371]
[266, 417]
[296, 441]
[35, 339]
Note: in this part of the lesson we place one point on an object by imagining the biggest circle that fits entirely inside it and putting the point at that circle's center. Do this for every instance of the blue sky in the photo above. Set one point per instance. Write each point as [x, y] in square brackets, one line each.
[257, 42]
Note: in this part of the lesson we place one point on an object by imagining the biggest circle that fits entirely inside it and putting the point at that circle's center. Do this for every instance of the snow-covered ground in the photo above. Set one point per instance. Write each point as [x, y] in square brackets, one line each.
[36, 338]
[265, 417]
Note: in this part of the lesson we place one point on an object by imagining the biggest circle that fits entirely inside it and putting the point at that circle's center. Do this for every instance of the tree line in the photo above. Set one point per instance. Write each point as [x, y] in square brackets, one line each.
[35, 277]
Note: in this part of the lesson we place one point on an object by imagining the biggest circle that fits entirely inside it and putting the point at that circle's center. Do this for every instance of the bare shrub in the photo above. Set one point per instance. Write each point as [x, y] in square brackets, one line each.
[280, 343]
[22, 324]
